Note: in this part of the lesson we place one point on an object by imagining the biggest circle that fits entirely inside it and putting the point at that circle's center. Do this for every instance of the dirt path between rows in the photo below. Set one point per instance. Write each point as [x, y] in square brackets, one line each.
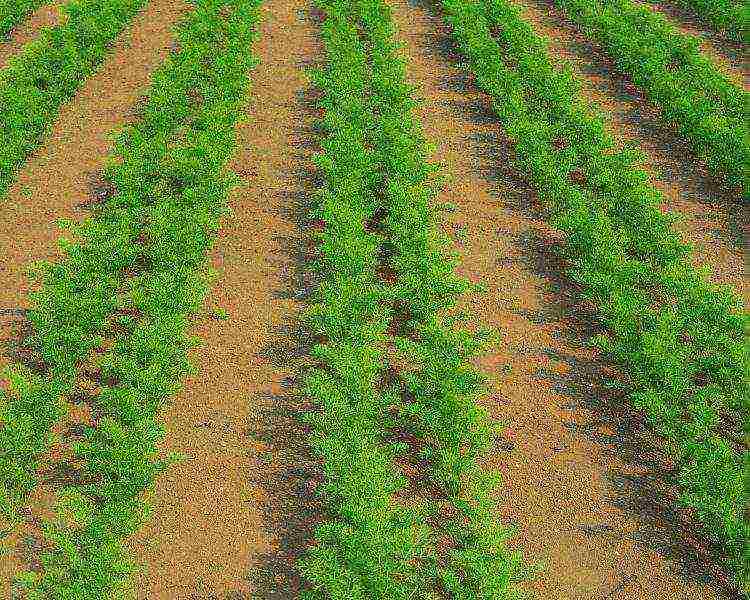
[54, 184]
[47, 15]
[730, 55]
[228, 520]
[715, 220]
[583, 479]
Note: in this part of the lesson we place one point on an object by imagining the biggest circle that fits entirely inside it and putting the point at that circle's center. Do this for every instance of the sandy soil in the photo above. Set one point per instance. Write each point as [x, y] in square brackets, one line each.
[47, 15]
[585, 483]
[54, 183]
[228, 519]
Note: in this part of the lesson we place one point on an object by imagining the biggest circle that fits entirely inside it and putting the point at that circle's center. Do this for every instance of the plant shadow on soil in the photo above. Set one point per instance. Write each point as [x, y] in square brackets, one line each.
[27, 542]
[289, 481]
[646, 489]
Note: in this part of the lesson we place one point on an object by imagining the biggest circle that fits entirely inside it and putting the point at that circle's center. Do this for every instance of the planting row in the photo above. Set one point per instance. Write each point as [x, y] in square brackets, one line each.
[372, 546]
[49, 70]
[732, 16]
[110, 319]
[681, 339]
[391, 536]
[711, 112]
[439, 387]
[12, 12]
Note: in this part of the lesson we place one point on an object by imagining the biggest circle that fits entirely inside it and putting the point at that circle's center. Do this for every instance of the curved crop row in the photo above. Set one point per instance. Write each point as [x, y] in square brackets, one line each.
[49, 71]
[384, 540]
[12, 12]
[682, 340]
[732, 16]
[111, 318]
[711, 112]
[440, 385]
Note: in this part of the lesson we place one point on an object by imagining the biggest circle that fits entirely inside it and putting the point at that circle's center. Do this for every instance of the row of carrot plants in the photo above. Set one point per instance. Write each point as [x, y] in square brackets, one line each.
[371, 546]
[709, 110]
[732, 16]
[12, 12]
[110, 319]
[382, 540]
[49, 70]
[682, 340]
[437, 381]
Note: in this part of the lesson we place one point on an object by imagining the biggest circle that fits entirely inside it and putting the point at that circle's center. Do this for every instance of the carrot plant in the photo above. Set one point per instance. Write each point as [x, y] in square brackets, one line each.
[372, 545]
[440, 387]
[710, 111]
[26, 419]
[111, 318]
[50, 70]
[13, 12]
[683, 341]
[731, 16]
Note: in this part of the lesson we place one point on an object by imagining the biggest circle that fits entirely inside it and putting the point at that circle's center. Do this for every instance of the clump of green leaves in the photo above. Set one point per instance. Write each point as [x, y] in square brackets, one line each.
[374, 164]
[709, 110]
[50, 69]
[12, 12]
[682, 340]
[119, 303]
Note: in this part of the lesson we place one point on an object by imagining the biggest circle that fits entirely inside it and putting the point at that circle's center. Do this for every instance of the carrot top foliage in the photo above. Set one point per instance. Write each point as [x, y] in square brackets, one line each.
[110, 319]
[682, 340]
[12, 12]
[49, 71]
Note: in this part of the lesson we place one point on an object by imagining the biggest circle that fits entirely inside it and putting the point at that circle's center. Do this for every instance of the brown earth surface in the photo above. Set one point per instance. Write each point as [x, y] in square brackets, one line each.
[730, 55]
[228, 519]
[55, 183]
[47, 15]
[715, 220]
[584, 481]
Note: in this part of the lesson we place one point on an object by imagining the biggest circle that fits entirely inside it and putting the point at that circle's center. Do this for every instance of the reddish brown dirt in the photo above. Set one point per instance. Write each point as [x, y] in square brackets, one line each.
[715, 220]
[583, 480]
[728, 54]
[29, 29]
[53, 183]
[227, 520]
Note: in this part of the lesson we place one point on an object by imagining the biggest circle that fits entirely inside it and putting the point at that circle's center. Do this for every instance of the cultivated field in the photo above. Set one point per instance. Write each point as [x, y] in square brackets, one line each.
[374, 299]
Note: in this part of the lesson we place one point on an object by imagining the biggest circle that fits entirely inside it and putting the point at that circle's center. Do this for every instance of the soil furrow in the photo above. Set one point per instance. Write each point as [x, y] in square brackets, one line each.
[47, 15]
[728, 54]
[715, 220]
[59, 180]
[227, 519]
[584, 480]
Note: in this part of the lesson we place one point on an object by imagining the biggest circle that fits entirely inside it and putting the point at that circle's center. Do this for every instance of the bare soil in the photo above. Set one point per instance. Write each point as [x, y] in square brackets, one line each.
[585, 482]
[55, 183]
[229, 520]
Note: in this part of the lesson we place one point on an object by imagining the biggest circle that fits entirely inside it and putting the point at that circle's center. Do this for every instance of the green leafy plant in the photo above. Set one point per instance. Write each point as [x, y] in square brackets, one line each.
[683, 341]
[711, 112]
[377, 201]
[115, 311]
[371, 546]
[13, 12]
[732, 16]
[50, 69]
